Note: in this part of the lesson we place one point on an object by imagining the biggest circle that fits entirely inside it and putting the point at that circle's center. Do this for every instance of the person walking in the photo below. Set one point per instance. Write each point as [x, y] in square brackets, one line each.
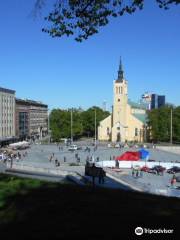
[133, 172]
[173, 181]
[56, 162]
[101, 176]
[141, 173]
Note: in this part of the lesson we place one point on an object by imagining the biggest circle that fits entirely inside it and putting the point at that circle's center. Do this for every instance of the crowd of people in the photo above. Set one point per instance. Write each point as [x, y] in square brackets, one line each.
[9, 156]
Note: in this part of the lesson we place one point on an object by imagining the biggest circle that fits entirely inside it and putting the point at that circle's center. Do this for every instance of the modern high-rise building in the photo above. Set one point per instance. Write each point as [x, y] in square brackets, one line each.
[7, 113]
[161, 101]
[157, 101]
[152, 100]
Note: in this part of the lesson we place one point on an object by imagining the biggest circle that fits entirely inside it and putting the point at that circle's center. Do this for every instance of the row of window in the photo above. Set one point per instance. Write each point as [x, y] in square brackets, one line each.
[119, 90]
[136, 131]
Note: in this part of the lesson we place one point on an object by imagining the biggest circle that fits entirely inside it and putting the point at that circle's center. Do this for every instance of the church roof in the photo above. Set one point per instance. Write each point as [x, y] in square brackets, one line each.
[141, 117]
[136, 105]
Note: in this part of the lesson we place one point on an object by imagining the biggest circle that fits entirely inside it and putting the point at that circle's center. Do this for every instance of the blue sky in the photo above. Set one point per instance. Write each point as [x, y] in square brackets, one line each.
[63, 73]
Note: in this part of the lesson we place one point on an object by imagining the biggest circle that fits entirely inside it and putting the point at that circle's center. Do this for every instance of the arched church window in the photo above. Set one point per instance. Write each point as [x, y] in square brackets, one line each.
[121, 90]
[116, 90]
[118, 99]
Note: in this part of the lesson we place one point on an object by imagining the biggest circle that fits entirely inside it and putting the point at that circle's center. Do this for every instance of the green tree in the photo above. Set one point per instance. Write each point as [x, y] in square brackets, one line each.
[176, 124]
[60, 124]
[83, 18]
[83, 122]
[159, 121]
[88, 118]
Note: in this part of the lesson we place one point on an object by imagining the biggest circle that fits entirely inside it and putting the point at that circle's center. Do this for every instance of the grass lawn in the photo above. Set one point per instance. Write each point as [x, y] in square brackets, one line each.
[43, 210]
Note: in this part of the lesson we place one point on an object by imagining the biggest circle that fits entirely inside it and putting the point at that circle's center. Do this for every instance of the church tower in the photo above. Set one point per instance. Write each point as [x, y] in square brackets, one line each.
[120, 106]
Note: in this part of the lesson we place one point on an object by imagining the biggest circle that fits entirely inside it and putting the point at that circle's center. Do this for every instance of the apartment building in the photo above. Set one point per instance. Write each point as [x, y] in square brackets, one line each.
[31, 119]
[7, 113]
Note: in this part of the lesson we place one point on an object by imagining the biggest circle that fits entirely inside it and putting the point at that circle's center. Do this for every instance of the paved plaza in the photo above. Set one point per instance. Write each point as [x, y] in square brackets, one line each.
[39, 156]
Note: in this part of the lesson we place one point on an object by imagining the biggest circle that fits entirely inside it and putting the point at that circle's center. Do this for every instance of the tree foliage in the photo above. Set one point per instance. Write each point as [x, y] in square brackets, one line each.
[83, 122]
[159, 121]
[84, 18]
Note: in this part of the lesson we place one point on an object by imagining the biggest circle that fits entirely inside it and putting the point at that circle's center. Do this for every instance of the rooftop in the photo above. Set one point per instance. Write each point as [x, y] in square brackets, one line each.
[30, 102]
[5, 90]
[141, 117]
[137, 105]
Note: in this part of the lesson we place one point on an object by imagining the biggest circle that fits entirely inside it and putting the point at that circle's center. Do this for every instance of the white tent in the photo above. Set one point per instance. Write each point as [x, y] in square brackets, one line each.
[19, 144]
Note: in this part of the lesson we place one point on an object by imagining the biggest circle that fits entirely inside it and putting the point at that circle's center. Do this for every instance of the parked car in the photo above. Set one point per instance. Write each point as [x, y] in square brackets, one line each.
[177, 178]
[145, 169]
[151, 160]
[157, 170]
[117, 145]
[73, 148]
[173, 170]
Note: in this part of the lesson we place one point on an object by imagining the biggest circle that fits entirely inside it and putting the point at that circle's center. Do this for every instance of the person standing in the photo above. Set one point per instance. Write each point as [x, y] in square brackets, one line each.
[117, 164]
[50, 159]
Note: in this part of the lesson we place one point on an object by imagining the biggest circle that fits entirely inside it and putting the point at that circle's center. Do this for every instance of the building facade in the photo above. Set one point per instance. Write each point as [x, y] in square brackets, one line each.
[128, 119]
[7, 113]
[31, 119]
[157, 101]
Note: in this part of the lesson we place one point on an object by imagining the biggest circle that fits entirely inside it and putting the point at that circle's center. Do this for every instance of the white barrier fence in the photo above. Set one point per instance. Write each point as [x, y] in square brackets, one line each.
[130, 164]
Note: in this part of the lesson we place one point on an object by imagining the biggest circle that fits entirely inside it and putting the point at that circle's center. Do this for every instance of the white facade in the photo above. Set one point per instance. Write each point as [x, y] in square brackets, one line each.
[7, 113]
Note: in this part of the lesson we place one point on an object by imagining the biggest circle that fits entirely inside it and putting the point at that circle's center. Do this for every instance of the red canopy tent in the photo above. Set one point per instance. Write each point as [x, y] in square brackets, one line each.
[129, 156]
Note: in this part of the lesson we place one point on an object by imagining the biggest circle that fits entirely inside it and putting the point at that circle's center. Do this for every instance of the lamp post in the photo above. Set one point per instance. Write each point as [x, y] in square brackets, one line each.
[145, 133]
[171, 128]
[48, 125]
[71, 125]
[95, 127]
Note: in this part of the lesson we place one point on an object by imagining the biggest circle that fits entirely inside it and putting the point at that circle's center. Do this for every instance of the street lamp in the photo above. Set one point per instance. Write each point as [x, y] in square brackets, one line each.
[95, 127]
[171, 128]
[71, 125]
[145, 132]
[48, 125]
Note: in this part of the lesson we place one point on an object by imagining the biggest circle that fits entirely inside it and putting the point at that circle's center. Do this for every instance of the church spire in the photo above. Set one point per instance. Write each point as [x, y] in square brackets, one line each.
[120, 72]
